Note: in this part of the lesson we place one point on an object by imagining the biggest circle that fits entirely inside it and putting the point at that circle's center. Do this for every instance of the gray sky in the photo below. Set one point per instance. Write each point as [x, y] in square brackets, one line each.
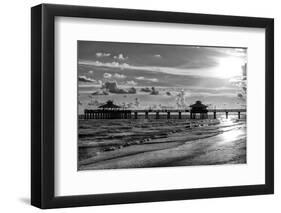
[199, 69]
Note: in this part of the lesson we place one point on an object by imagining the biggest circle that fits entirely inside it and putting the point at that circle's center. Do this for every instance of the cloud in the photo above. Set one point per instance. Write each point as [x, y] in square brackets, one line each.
[100, 82]
[147, 79]
[154, 91]
[83, 78]
[99, 54]
[140, 78]
[91, 72]
[157, 56]
[107, 75]
[86, 85]
[120, 57]
[112, 87]
[169, 70]
[152, 79]
[240, 95]
[131, 83]
[120, 76]
[113, 64]
[236, 52]
[116, 75]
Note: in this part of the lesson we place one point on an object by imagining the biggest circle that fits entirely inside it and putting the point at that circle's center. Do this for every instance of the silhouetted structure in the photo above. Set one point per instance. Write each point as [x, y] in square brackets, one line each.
[109, 105]
[198, 109]
[107, 111]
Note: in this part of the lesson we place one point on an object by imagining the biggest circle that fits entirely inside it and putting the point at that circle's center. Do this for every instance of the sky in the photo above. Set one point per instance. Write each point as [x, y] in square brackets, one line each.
[201, 70]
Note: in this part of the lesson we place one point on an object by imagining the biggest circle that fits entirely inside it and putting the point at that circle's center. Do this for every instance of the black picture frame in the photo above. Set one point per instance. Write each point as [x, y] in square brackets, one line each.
[43, 105]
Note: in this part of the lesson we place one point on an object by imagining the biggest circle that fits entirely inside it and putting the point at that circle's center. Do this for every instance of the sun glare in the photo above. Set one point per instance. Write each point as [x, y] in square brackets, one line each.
[229, 68]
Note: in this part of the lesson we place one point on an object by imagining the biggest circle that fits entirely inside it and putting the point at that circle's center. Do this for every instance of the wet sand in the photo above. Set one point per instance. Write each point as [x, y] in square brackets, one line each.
[115, 144]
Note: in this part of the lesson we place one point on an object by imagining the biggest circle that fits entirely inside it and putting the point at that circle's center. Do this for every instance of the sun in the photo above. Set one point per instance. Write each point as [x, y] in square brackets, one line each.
[229, 67]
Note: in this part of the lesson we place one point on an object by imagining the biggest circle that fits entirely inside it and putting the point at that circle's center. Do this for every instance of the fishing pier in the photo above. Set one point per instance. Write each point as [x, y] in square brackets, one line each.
[157, 114]
[196, 111]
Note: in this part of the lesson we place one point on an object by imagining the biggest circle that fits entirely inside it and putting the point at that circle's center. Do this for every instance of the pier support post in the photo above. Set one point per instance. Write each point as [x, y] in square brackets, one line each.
[146, 115]
[179, 115]
[215, 115]
[136, 115]
[168, 115]
[205, 115]
[157, 115]
[239, 115]
[226, 115]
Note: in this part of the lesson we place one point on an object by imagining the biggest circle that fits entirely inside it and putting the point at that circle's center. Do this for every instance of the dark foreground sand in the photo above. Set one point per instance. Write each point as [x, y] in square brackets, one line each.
[115, 144]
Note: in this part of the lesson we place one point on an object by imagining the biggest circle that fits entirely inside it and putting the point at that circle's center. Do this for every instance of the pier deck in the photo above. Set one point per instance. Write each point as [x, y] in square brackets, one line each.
[134, 113]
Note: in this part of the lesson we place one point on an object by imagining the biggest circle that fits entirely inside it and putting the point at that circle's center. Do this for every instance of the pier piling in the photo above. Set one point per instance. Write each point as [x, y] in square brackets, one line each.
[146, 115]
[157, 115]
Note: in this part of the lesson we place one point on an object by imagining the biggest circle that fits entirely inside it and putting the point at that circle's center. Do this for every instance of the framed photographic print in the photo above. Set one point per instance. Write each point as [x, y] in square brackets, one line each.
[139, 106]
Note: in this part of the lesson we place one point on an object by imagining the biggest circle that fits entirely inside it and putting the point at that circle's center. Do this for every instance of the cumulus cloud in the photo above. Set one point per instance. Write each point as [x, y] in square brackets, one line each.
[154, 91]
[107, 75]
[120, 57]
[112, 87]
[147, 79]
[120, 76]
[83, 78]
[132, 83]
[116, 75]
[146, 90]
[99, 54]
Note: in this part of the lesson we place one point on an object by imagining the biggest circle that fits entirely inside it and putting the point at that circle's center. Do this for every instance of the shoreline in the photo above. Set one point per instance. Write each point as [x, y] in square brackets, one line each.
[176, 148]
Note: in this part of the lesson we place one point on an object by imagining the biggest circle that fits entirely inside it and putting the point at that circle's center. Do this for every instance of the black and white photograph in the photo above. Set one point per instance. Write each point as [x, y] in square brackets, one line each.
[160, 105]
[134, 105]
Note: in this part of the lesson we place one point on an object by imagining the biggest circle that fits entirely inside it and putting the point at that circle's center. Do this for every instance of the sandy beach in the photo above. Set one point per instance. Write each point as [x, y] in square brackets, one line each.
[142, 143]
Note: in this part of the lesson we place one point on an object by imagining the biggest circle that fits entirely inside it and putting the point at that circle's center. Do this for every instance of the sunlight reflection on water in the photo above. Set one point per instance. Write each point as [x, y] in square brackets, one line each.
[234, 133]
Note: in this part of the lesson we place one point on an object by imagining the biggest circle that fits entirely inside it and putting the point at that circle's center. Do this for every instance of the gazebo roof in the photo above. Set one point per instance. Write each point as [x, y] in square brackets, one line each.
[109, 105]
[198, 104]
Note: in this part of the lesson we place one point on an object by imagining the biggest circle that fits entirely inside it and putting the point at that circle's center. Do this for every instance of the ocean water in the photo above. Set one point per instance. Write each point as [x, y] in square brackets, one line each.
[142, 143]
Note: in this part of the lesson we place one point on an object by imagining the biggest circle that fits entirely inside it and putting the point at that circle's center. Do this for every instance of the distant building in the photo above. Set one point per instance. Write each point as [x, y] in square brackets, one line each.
[198, 109]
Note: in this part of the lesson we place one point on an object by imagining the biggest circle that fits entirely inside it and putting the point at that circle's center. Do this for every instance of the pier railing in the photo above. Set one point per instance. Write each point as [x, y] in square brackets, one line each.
[157, 114]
